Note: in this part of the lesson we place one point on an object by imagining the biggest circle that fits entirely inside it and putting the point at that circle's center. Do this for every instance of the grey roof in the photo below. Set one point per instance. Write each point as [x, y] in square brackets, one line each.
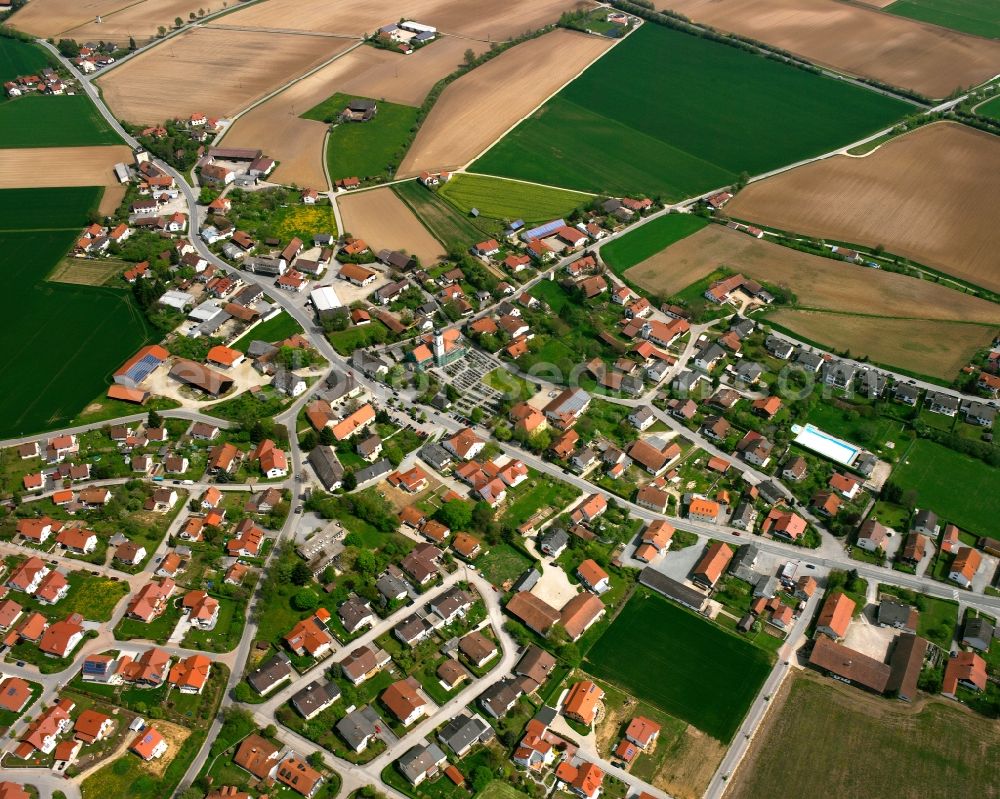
[711, 352]
[527, 580]
[893, 614]
[463, 731]
[770, 491]
[979, 410]
[499, 697]
[419, 760]
[339, 384]
[743, 327]
[671, 589]
[841, 371]
[743, 515]
[926, 519]
[411, 628]
[248, 295]
[942, 400]
[570, 401]
[369, 445]
[746, 555]
[905, 390]
[778, 346]
[748, 370]
[436, 455]
[285, 381]
[353, 612]
[810, 360]
[274, 669]
[358, 725]
[328, 468]
[378, 469]
[555, 538]
[314, 696]
[977, 633]
[766, 586]
[390, 586]
[872, 382]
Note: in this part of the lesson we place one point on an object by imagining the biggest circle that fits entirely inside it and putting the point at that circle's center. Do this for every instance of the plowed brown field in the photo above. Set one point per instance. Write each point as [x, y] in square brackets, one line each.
[815, 281]
[217, 72]
[384, 222]
[275, 126]
[491, 20]
[66, 166]
[478, 108]
[854, 39]
[929, 195]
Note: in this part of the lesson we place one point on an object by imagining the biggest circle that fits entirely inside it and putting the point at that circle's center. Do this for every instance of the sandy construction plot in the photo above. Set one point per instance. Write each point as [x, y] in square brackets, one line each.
[140, 19]
[381, 219]
[857, 40]
[66, 166]
[929, 195]
[815, 281]
[478, 108]
[297, 144]
[493, 20]
[217, 72]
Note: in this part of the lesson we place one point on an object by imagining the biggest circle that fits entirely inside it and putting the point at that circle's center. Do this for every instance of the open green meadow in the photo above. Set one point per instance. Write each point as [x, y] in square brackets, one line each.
[47, 121]
[686, 666]
[61, 342]
[497, 198]
[957, 487]
[276, 329]
[644, 242]
[365, 149]
[978, 17]
[455, 231]
[990, 109]
[684, 115]
[19, 58]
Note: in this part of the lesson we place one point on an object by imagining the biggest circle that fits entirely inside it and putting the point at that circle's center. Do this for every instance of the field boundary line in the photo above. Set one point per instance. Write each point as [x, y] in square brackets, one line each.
[519, 180]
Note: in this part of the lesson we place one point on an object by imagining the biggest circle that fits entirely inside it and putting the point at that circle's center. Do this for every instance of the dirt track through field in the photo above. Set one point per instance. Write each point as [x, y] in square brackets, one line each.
[140, 20]
[275, 126]
[815, 281]
[929, 195]
[487, 20]
[938, 349]
[854, 39]
[216, 72]
[479, 107]
[384, 222]
[51, 17]
[66, 166]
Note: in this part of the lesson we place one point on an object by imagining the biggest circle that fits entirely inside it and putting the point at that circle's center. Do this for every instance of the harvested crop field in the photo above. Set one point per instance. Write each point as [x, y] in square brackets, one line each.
[516, 82]
[923, 196]
[217, 72]
[816, 282]
[140, 20]
[934, 348]
[819, 733]
[978, 17]
[46, 18]
[384, 222]
[857, 40]
[45, 167]
[488, 20]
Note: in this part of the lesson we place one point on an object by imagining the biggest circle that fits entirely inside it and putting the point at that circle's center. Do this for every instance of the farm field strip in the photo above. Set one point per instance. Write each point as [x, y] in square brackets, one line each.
[215, 72]
[817, 282]
[723, 112]
[918, 195]
[937, 349]
[516, 81]
[53, 121]
[455, 231]
[976, 17]
[54, 167]
[20, 58]
[856, 40]
[644, 242]
[140, 20]
[690, 669]
[385, 222]
[498, 198]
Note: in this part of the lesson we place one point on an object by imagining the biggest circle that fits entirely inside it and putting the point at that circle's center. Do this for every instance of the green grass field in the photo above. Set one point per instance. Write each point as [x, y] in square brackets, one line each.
[990, 109]
[720, 112]
[46, 121]
[978, 17]
[60, 342]
[498, 789]
[497, 198]
[273, 330]
[958, 488]
[20, 58]
[686, 666]
[646, 241]
[456, 232]
[365, 149]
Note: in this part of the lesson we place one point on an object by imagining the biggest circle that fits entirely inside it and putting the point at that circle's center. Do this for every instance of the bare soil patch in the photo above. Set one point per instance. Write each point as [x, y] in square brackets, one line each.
[276, 126]
[478, 108]
[926, 196]
[51, 17]
[689, 765]
[938, 349]
[66, 166]
[217, 72]
[175, 735]
[488, 20]
[384, 222]
[140, 20]
[815, 281]
[860, 41]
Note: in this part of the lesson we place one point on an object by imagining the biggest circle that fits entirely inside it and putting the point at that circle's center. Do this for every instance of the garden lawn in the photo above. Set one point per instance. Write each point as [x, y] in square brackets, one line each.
[502, 563]
[53, 121]
[509, 200]
[686, 666]
[228, 628]
[978, 17]
[498, 789]
[721, 111]
[365, 149]
[272, 331]
[158, 630]
[535, 493]
[991, 109]
[19, 58]
[959, 488]
[644, 242]
[456, 232]
[94, 598]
